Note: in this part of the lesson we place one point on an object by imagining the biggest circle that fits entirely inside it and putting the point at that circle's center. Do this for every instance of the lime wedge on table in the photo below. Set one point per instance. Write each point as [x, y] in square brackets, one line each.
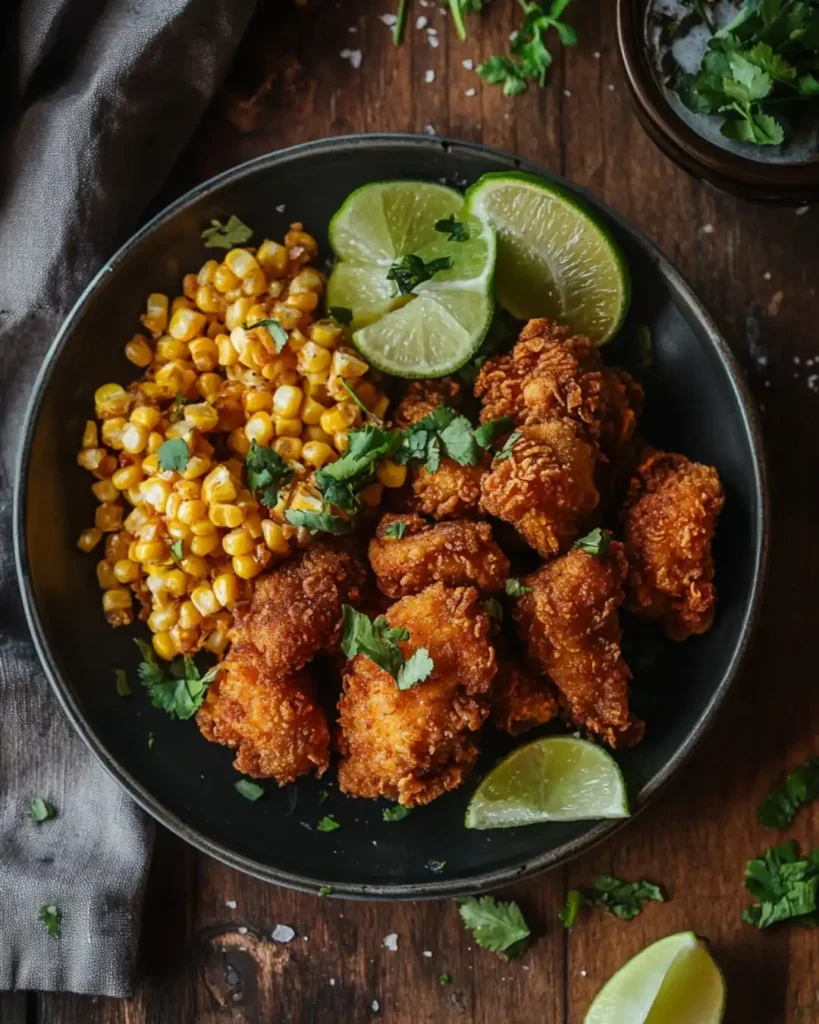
[555, 259]
[438, 325]
[558, 778]
[673, 981]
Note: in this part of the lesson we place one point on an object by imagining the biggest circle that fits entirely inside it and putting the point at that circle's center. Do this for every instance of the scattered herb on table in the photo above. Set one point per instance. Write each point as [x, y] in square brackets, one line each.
[779, 808]
[514, 588]
[397, 813]
[400, 22]
[277, 332]
[454, 229]
[595, 543]
[51, 917]
[395, 530]
[174, 455]
[412, 270]
[328, 824]
[529, 58]
[40, 810]
[123, 688]
[179, 691]
[249, 790]
[266, 472]
[785, 886]
[226, 236]
[445, 979]
[623, 899]
[495, 925]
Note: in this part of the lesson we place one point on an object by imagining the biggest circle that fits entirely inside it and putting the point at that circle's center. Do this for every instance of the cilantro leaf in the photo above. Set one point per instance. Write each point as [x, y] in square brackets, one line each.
[177, 550]
[397, 813]
[249, 790]
[445, 979]
[317, 522]
[123, 689]
[328, 824]
[226, 236]
[595, 543]
[277, 332]
[395, 530]
[342, 315]
[340, 481]
[181, 692]
[415, 669]
[492, 429]
[623, 899]
[495, 925]
[378, 641]
[574, 901]
[785, 886]
[443, 431]
[40, 810]
[453, 228]
[325, 890]
[266, 472]
[508, 447]
[514, 588]
[779, 808]
[747, 82]
[412, 270]
[177, 408]
[531, 57]
[174, 454]
[51, 917]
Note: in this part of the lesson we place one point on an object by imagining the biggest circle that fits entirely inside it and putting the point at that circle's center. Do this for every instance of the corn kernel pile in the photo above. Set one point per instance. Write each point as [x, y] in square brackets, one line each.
[188, 544]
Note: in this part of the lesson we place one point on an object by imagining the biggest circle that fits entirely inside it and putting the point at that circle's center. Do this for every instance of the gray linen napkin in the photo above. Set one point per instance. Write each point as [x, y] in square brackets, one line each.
[105, 95]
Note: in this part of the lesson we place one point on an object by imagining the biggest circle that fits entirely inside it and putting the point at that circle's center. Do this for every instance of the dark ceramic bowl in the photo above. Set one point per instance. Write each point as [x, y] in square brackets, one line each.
[741, 175]
[697, 404]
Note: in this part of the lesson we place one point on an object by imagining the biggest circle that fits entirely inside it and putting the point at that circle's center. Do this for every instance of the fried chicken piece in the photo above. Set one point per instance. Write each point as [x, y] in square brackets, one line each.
[296, 609]
[570, 625]
[670, 517]
[551, 374]
[460, 553]
[453, 491]
[413, 745]
[545, 488]
[271, 721]
[521, 697]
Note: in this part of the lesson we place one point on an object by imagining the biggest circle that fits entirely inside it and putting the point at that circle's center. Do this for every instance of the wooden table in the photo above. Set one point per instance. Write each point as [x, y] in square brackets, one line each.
[203, 961]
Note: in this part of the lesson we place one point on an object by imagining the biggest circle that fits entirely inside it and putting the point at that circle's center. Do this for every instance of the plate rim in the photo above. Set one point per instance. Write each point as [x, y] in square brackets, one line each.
[484, 881]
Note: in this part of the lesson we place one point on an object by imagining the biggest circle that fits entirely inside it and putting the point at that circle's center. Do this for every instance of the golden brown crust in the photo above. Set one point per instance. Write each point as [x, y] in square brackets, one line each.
[545, 488]
[452, 492]
[272, 722]
[423, 397]
[458, 554]
[296, 609]
[570, 625]
[670, 517]
[413, 745]
[521, 697]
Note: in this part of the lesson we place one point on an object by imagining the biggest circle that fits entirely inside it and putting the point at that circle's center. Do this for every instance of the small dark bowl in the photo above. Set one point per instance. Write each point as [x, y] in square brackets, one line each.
[696, 404]
[782, 183]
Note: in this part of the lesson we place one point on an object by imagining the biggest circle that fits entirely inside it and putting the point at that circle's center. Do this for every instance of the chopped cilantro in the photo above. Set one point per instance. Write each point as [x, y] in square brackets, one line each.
[595, 543]
[508, 447]
[493, 429]
[493, 608]
[574, 901]
[123, 689]
[442, 432]
[495, 925]
[436, 866]
[40, 810]
[341, 481]
[530, 58]
[454, 229]
[415, 669]
[342, 315]
[328, 824]
[266, 472]
[397, 813]
[317, 522]
[325, 890]
[411, 271]
[623, 899]
[785, 886]
[395, 530]
[180, 692]
[277, 332]
[177, 408]
[376, 640]
[226, 236]
[51, 917]
[174, 455]
[514, 588]
[779, 808]
[177, 550]
[249, 790]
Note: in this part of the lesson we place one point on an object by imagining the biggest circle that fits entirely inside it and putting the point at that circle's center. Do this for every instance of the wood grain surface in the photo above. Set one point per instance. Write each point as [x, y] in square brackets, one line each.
[756, 270]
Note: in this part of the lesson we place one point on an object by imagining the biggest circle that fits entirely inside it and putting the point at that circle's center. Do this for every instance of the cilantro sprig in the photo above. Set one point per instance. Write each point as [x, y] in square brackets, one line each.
[180, 690]
[266, 471]
[341, 481]
[529, 58]
[412, 270]
[495, 925]
[51, 916]
[40, 810]
[378, 641]
[622, 899]
[779, 808]
[226, 236]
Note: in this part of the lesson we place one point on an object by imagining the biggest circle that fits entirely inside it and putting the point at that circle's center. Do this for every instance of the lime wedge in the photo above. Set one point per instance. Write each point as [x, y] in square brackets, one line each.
[434, 328]
[555, 259]
[673, 981]
[558, 778]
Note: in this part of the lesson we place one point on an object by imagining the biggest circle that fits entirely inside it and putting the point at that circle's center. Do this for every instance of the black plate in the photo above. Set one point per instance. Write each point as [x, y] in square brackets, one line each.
[697, 404]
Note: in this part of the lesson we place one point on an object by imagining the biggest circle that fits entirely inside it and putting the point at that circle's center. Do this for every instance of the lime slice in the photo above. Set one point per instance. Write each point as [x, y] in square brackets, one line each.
[555, 259]
[439, 324]
[673, 981]
[558, 778]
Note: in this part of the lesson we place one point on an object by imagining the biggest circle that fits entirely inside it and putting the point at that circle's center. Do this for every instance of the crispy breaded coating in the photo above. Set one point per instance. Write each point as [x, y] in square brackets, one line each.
[413, 745]
[545, 488]
[271, 721]
[551, 374]
[296, 609]
[461, 553]
[423, 397]
[670, 517]
[570, 625]
[521, 697]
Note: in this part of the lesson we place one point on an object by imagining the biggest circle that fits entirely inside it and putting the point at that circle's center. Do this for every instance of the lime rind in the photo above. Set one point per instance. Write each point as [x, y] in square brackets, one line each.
[555, 256]
[441, 324]
[557, 778]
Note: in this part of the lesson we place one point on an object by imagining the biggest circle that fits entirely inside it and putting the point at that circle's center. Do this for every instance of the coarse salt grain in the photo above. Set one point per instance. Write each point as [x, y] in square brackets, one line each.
[389, 19]
[427, 952]
[801, 210]
[468, 64]
[283, 933]
[353, 56]
[422, 21]
[470, 92]
[429, 77]
[374, 1005]
[429, 129]
[281, 208]
[391, 942]
[707, 229]
[242, 930]
[231, 904]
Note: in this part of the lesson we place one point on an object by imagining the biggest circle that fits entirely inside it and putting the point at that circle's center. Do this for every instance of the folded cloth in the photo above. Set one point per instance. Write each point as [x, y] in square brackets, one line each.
[104, 96]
